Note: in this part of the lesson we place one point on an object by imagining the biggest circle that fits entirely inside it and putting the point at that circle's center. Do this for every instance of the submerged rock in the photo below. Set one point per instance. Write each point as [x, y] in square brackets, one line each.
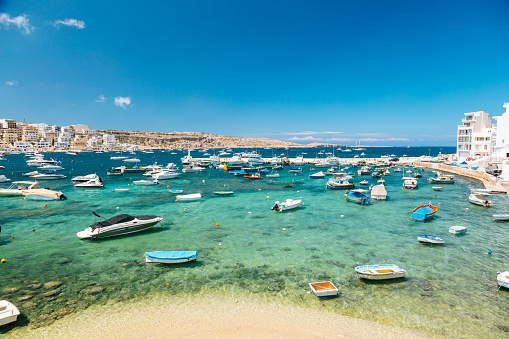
[28, 305]
[51, 293]
[26, 297]
[9, 290]
[35, 286]
[52, 284]
[93, 290]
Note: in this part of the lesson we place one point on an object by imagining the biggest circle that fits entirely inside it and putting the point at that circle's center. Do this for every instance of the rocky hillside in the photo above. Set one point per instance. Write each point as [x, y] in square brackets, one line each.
[184, 140]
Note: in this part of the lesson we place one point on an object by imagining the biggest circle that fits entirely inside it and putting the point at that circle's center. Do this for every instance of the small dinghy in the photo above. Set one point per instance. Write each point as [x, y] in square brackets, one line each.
[380, 272]
[323, 289]
[430, 239]
[121, 189]
[479, 199]
[170, 257]
[176, 191]
[424, 212]
[289, 204]
[503, 279]
[189, 197]
[146, 182]
[222, 193]
[457, 230]
[501, 217]
[8, 312]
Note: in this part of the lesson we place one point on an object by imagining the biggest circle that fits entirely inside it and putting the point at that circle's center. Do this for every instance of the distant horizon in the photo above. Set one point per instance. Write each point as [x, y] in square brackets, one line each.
[400, 73]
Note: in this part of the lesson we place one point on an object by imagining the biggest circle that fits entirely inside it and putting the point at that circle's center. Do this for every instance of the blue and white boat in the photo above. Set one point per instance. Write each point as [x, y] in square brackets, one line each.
[424, 212]
[430, 239]
[357, 197]
[170, 257]
[318, 175]
[340, 181]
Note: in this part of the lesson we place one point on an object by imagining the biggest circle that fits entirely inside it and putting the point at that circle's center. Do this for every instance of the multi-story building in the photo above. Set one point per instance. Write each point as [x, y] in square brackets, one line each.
[7, 123]
[502, 132]
[9, 136]
[474, 136]
[79, 142]
[42, 145]
[23, 146]
[109, 141]
[30, 135]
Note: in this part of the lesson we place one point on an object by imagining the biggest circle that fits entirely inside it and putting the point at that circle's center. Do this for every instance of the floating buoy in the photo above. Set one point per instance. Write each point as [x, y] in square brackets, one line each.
[248, 212]
[168, 186]
[466, 208]
[33, 230]
[490, 252]
[203, 181]
[12, 237]
[185, 209]
[217, 224]
[3, 261]
[118, 207]
[72, 160]
[322, 223]
[135, 261]
[267, 196]
[356, 264]
[45, 205]
[342, 215]
[220, 245]
[284, 229]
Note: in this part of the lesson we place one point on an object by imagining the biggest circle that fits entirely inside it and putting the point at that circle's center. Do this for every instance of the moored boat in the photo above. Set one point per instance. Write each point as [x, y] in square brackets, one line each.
[8, 312]
[222, 193]
[118, 225]
[423, 212]
[457, 229]
[497, 217]
[92, 183]
[340, 181]
[380, 272]
[3, 178]
[318, 175]
[379, 192]
[409, 183]
[17, 188]
[479, 199]
[430, 239]
[47, 176]
[253, 176]
[170, 257]
[357, 197]
[503, 279]
[323, 289]
[175, 191]
[43, 194]
[189, 197]
[146, 182]
[289, 204]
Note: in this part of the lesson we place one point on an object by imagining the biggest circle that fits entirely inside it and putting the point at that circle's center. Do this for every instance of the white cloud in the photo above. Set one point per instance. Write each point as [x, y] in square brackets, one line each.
[21, 21]
[11, 83]
[308, 138]
[79, 24]
[101, 98]
[122, 101]
[308, 132]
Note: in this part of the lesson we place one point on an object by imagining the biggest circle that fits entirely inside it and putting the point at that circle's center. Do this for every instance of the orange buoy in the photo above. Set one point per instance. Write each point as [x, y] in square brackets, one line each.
[168, 186]
[45, 205]
[217, 224]
[3, 261]
[322, 223]
[72, 160]
[185, 209]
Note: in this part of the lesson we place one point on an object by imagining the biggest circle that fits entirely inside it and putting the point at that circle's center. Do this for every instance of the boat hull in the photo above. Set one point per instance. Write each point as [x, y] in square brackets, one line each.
[170, 257]
[380, 272]
[115, 230]
[430, 239]
[324, 289]
[8, 313]
[503, 279]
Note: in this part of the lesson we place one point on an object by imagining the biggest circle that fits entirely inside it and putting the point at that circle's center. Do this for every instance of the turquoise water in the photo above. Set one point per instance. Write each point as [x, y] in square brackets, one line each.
[449, 290]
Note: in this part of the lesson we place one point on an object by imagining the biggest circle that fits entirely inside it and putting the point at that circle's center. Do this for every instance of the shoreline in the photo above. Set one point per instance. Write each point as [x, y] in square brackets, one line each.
[209, 316]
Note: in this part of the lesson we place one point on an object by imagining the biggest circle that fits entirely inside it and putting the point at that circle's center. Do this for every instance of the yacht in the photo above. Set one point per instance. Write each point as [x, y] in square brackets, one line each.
[118, 225]
[162, 175]
[84, 178]
[48, 176]
[92, 183]
[299, 161]
[3, 178]
[49, 167]
[43, 194]
[187, 159]
[235, 160]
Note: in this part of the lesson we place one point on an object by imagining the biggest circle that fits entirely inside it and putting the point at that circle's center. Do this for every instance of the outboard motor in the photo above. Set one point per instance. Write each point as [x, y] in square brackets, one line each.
[276, 206]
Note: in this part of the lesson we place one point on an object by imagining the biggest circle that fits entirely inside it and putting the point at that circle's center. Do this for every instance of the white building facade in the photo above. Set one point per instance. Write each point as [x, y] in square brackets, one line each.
[474, 138]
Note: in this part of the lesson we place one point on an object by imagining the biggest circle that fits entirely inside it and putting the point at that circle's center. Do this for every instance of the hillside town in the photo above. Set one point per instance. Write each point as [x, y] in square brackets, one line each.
[40, 137]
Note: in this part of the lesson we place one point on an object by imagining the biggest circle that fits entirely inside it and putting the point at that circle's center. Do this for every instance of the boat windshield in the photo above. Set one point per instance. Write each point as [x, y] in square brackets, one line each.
[121, 218]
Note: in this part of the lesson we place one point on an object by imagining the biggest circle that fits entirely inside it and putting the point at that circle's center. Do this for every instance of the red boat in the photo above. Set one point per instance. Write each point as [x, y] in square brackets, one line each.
[253, 176]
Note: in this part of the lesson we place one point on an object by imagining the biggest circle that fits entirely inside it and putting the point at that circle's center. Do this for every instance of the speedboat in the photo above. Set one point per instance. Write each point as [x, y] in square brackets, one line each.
[3, 178]
[364, 182]
[423, 212]
[253, 176]
[50, 167]
[430, 239]
[48, 176]
[273, 174]
[118, 225]
[192, 169]
[17, 188]
[497, 217]
[92, 183]
[8, 312]
[380, 272]
[146, 182]
[43, 194]
[85, 178]
[170, 257]
[479, 199]
[132, 160]
[286, 205]
[162, 175]
[318, 175]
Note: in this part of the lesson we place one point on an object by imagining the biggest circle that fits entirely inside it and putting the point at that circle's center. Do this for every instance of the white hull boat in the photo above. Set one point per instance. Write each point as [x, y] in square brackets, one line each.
[51, 168]
[323, 289]
[145, 182]
[119, 225]
[192, 169]
[380, 272]
[48, 176]
[379, 192]
[17, 188]
[170, 257]
[94, 183]
[497, 217]
[85, 178]
[410, 183]
[289, 204]
[479, 199]
[430, 239]
[165, 175]
[3, 178]
[43, 194]
[457, 229]
[503, 279]
[8, 312]
[189, 197]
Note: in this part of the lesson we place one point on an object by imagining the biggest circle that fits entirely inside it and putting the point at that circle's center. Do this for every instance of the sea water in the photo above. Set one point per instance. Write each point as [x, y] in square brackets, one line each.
[245, 248]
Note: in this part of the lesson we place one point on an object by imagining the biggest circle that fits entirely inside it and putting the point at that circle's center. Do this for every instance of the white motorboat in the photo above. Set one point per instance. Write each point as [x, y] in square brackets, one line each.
[289, 204]
[410, 183]
[51, 168]
[479, 199]
[48, 176]
[497, 217]
[397, 169]
[298, 161]
[318, 175]
[379, 192]
[163, 175]
[17, 187]
[132, 160]
[430, 239]
[187, 159]
[121, 157]
[93, 183]
[503, 279]
[192, 169]
[8, 312]
[364, 182]
[118, 225]
[146, 182]
[121, 189]
[380, 272]
[273, 174]
[85, 178]
[235, 160]
[189, 197]
[43, 194]
[437, 188]
[3, 178]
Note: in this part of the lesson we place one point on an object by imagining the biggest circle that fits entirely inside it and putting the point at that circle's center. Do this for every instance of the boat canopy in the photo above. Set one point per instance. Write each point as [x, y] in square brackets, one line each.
[112, 221]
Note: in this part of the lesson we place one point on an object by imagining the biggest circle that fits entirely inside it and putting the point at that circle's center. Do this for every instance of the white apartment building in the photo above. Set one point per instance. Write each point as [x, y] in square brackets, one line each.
[23, 146]
[474, 138]
[109, 141]
[502, 132]
[42, 145]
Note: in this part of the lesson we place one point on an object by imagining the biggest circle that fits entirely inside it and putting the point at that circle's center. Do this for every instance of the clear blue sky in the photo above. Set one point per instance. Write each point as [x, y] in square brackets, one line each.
[378, 72]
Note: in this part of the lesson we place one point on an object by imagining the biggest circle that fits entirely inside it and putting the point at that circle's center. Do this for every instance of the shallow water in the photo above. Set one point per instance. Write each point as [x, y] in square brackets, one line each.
[449, 290]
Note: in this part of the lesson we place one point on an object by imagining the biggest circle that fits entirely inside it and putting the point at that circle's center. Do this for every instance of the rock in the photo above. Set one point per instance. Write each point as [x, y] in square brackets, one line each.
[64, 261]
[9, 290]
[51, 293]
[52, 284]
[93, 290]
[126, 264]
[25, 297]
[34, 286]
[28, 305]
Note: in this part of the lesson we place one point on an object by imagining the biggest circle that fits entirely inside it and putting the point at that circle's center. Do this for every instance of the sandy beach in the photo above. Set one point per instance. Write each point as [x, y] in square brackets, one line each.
[207, 316]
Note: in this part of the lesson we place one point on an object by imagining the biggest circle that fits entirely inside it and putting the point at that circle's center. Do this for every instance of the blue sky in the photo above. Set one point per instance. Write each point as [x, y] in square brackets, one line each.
[374, 72]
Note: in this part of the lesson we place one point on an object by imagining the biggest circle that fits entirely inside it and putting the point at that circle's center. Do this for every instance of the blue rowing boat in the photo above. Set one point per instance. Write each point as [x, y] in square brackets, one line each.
[357, 197]
[170, 257]
[424, 212]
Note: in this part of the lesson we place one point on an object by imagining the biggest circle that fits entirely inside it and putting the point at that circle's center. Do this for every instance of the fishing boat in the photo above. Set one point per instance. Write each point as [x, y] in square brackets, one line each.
[323, 289]
[380, 272]
[318, 175]
[479, 199]
[8, 312]
[423, 212]
[457, 229]
[135, 169]
[146, 182]
[170, 257]
[340, 181]
[222, 193]
[93, 183]
[17, 188]
[503, 279]
[118, 225]
[357, 197]
[289, 204]
[189, 197]
[253, 176]
[379, 192]
[43, 194]
[365, 170]
[409, 183]
[497, 217]
[430, 239]
[442, 179]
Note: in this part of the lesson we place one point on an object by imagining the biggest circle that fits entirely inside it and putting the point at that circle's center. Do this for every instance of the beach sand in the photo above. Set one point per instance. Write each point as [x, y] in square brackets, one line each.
[209, 317]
